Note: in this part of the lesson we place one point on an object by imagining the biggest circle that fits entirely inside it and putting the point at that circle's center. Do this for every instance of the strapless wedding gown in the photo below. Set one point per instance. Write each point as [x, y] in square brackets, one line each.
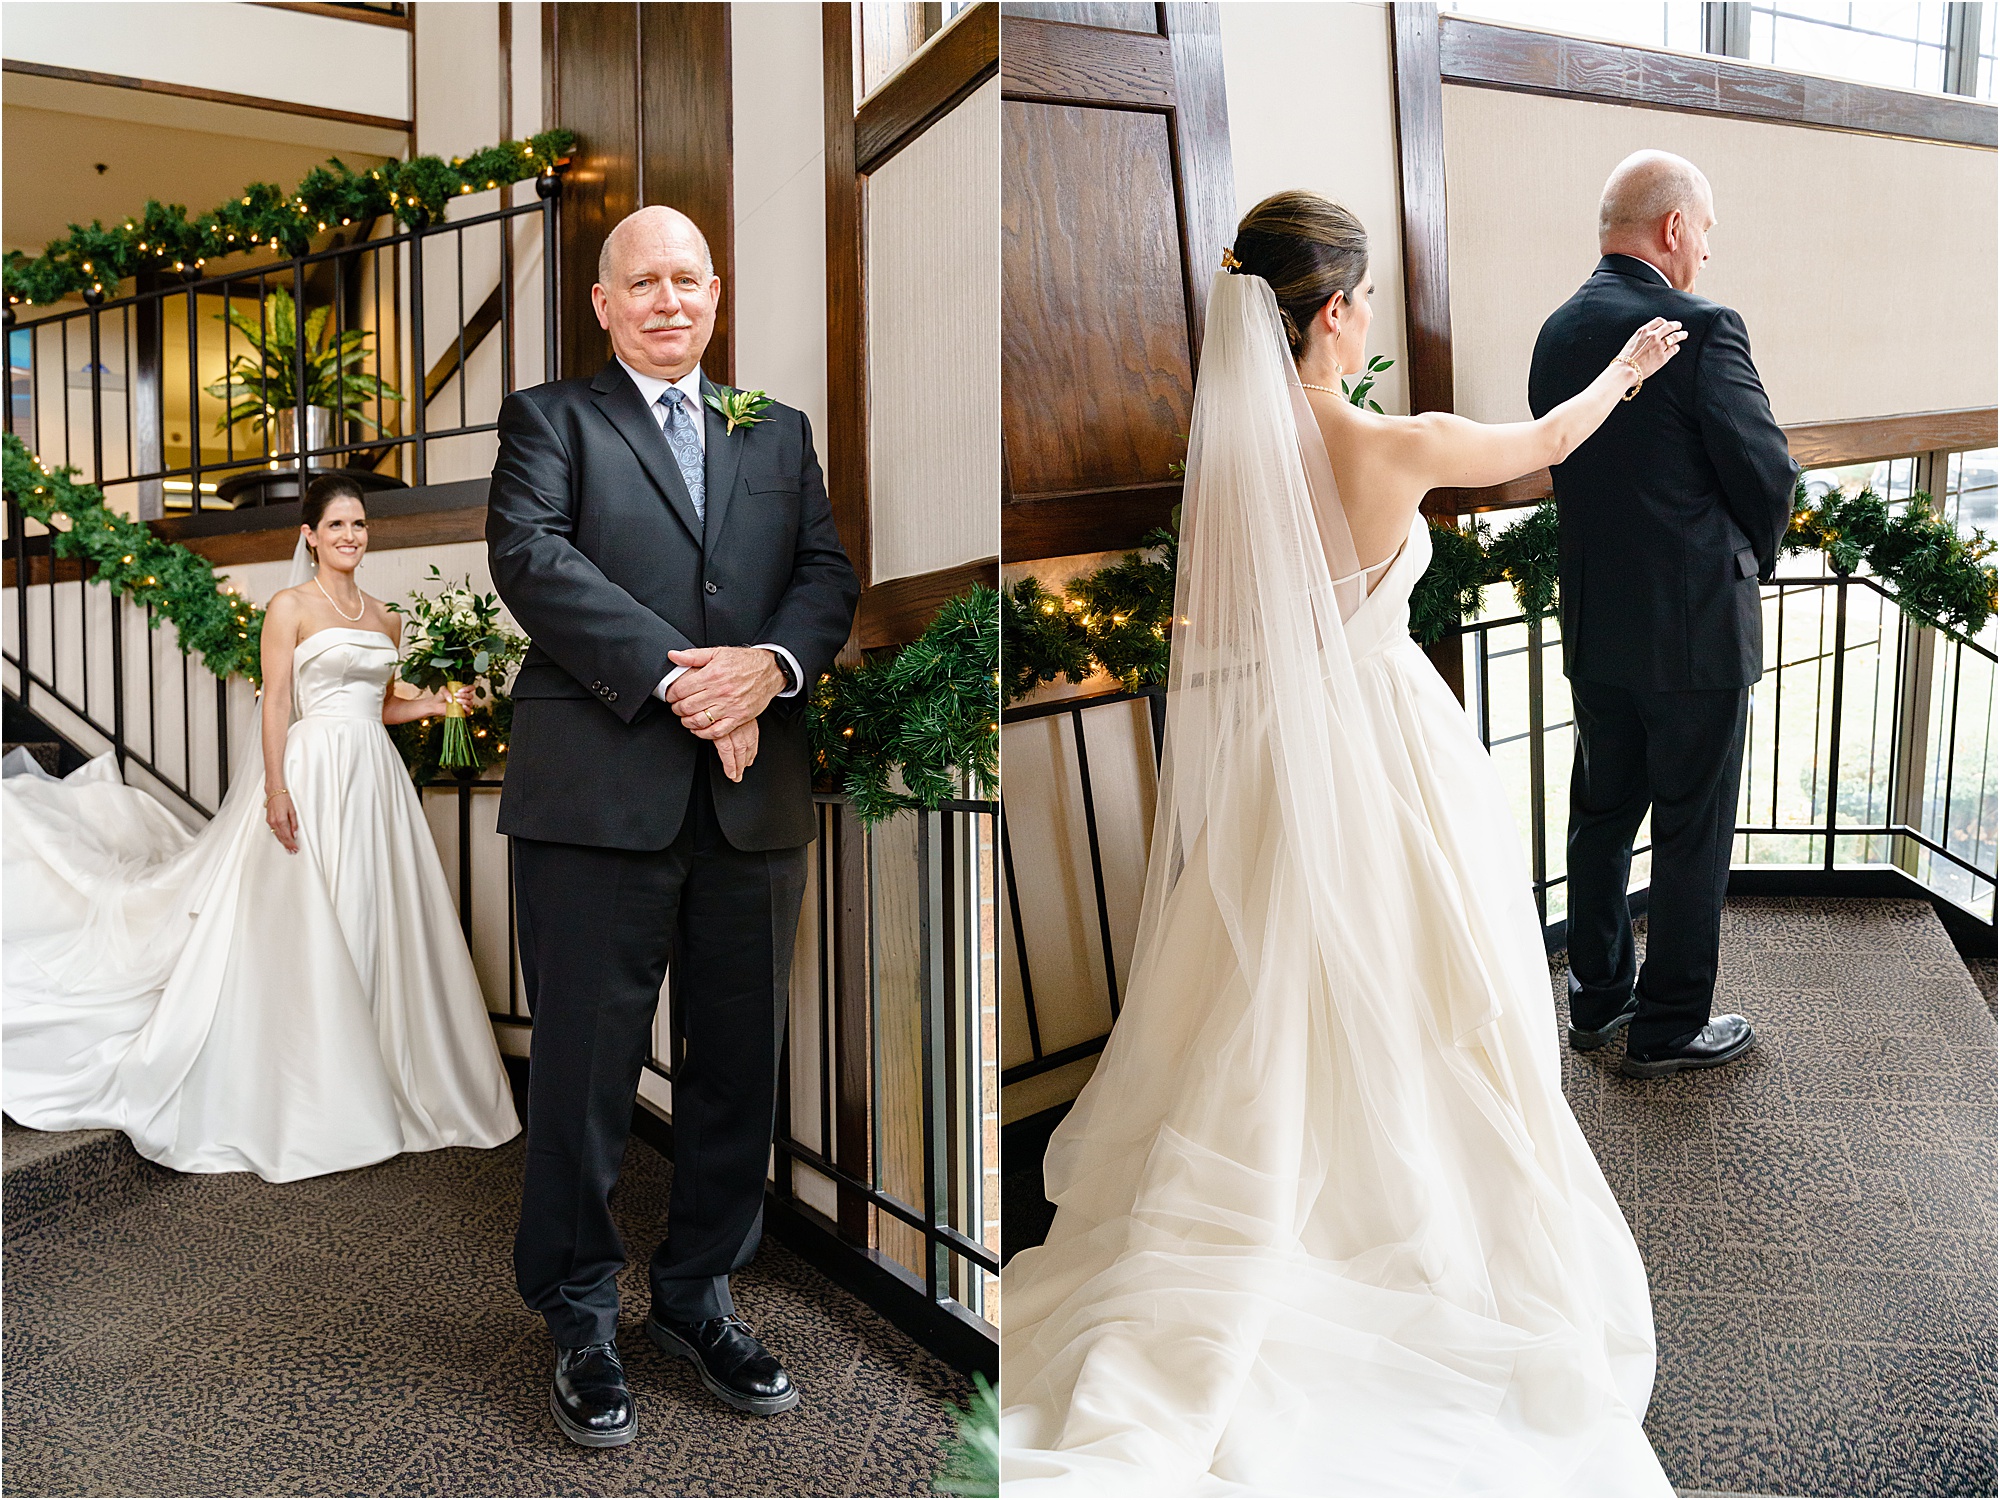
[231, 1006]
[1286, 1264]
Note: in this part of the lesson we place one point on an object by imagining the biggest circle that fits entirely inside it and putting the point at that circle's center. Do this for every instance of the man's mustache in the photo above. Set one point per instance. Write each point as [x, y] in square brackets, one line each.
[661, 325]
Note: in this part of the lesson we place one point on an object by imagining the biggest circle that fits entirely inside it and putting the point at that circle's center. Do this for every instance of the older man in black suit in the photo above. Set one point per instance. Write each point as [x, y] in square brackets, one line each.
[683, 585]
[1671, 515]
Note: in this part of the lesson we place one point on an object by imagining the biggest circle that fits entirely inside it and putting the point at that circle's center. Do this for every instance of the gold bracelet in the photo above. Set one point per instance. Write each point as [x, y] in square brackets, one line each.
[1639, 381]
[283, 791]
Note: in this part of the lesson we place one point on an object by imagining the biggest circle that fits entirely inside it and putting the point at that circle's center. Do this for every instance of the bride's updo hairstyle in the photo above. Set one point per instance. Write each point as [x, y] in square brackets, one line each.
[321, 493]
[1308, 248]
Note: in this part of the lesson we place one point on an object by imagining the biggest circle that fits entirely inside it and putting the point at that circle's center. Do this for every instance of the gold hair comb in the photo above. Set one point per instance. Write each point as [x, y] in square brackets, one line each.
[1230, 262]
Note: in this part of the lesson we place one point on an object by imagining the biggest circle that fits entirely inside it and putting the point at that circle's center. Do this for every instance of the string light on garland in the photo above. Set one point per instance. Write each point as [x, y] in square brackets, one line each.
[924, 715]
[164, 236]
[179, 585]
[1937, 577]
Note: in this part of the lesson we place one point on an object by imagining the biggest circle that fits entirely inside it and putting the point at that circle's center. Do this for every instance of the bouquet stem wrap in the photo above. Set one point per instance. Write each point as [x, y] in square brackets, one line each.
[457, 749]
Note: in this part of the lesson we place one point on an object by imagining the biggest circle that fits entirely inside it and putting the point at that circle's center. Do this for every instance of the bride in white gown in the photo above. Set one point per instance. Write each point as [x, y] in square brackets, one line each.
[1325, 1224]
[286, 992]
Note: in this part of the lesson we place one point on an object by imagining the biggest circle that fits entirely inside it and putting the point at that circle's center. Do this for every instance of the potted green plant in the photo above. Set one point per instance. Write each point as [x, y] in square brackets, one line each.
[262, 386]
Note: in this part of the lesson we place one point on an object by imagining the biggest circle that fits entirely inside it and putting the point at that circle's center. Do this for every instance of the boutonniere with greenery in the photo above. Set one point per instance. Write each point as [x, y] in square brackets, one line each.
[738, 408]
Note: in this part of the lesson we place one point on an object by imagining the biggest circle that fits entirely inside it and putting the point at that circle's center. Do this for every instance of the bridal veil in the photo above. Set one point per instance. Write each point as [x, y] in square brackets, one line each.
[1325, 1225]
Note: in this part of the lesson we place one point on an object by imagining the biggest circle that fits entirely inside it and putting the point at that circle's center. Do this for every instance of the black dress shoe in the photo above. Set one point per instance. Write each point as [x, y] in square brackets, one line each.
[735, 1367]
[1590, 1041]
[1722, 1040]
[590, 1402]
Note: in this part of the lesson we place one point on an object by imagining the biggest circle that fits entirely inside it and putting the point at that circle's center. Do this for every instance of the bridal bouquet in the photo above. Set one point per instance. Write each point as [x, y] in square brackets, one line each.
[457, 637]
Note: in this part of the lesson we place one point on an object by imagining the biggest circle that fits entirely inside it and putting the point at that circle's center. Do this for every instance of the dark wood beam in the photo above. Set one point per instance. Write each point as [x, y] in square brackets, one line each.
[846, 438]
[210, 96]
[399, 18]
[1485, 54]
[1201, 153]
[1105, 520]
[1814, 445]
[1413, 44]
[955, 63]
[1057, 62]
[897, 612]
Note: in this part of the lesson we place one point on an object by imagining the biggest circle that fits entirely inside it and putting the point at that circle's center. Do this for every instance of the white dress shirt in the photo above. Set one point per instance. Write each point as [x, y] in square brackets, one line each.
[651, 388]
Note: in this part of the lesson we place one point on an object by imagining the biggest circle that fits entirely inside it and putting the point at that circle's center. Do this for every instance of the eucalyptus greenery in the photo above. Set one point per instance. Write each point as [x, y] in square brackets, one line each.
[458, 637]
[927, 713]
[176, 584]
[263, 217]
[260, 388]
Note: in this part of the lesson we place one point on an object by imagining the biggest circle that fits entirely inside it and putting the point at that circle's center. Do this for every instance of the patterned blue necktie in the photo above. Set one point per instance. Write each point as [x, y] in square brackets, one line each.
[686, 443]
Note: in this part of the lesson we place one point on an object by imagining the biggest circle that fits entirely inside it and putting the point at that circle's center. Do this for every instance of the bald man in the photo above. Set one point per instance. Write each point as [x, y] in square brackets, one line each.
[1671, 516]
[684, 586]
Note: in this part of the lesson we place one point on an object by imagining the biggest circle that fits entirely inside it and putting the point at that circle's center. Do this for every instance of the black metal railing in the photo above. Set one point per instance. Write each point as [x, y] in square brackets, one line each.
[113, 414]
[73, 651]
[1871, 747]
[886, 1133]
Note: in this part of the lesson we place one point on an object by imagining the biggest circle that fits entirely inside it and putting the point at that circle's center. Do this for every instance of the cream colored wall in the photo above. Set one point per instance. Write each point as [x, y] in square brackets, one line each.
[237, 49]
[459, 83]
[934, 345]
[780, 185]
[1863, 266]
[1312, 105]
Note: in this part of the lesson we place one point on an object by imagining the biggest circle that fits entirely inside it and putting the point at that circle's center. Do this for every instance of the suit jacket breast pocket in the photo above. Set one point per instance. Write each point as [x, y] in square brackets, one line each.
[1746, 563]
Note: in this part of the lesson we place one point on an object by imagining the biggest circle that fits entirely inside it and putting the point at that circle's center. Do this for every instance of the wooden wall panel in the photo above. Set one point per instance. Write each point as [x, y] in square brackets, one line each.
[685, 132]
[646, 88]
[1117, 198]
[1095, 357]
[590, 72]
[1112, 15]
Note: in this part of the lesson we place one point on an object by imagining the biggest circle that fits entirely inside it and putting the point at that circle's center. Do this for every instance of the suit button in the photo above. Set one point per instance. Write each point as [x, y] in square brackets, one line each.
[712, 588]
[610, 696]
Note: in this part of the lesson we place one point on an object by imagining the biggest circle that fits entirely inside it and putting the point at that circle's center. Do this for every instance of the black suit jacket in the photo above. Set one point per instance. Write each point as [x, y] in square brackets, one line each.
[596, 549]
[1673, 510]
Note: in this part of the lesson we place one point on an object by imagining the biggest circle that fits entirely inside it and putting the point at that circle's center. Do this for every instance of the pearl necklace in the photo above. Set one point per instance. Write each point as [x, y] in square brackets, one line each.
[336, 608]
[1331, 390]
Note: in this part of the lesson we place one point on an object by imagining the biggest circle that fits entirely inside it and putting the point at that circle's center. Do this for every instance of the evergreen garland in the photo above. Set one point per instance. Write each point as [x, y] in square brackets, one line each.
[929, 711]
[178, 584]
[1114, 620]
[1938, 575]
[972, 1454]
[163, 238]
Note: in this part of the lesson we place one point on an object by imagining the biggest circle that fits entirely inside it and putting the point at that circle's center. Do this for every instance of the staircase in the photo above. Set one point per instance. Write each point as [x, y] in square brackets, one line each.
[25, 731]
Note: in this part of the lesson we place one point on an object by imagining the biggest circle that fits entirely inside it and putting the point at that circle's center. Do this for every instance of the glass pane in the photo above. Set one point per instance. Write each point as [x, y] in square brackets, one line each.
[1676, 23]
[1969, 498]
[1899, 45]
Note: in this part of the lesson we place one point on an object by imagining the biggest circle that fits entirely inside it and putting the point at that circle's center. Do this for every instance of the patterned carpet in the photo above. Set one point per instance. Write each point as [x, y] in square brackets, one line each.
[1817, 1219]
[359, 1334]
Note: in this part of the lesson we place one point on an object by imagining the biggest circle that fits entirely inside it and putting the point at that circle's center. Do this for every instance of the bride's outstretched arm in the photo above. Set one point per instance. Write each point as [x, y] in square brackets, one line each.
[274, 648]
[1454, 452]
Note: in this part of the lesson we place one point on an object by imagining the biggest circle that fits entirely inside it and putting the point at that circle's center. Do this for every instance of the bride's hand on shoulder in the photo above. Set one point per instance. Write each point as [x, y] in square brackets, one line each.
[282, 819]
[1651, 346]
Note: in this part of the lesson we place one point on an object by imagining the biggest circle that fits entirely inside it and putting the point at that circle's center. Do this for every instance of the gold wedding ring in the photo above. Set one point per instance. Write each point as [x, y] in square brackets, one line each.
[707, 719]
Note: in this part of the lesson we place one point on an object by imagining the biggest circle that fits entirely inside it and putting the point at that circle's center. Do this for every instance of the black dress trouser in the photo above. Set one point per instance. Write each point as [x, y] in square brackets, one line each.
[597, 928]
[1680, 753]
